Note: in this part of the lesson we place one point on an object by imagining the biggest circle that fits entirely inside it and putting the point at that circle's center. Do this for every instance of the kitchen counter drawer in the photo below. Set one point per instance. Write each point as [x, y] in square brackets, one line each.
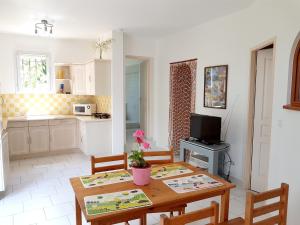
[37, 123]
[16, 124]
[61, 122]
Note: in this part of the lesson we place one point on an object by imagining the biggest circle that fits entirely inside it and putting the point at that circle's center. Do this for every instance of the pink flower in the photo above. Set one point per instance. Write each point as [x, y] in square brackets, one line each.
[146, 145]
[139, 134]
[139, 140]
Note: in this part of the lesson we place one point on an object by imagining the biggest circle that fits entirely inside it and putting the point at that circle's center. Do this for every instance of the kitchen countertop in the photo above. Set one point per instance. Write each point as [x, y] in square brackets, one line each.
[51, 117]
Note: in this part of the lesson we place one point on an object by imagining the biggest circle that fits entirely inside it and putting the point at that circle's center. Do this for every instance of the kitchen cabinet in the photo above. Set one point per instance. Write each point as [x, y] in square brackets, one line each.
[63, 134]
[92, 78]
[95, 137]
[79, 81]
[18, 140]
[39, 139]
[98, 74]
[4, 161]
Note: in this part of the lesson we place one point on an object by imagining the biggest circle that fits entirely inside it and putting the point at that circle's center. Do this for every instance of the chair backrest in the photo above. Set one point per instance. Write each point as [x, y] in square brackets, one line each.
[108, 159]
[150, 154]
[280, 206]
[211, 212]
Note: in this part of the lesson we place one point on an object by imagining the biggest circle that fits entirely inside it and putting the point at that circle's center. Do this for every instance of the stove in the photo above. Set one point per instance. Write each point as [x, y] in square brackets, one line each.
[102, 115]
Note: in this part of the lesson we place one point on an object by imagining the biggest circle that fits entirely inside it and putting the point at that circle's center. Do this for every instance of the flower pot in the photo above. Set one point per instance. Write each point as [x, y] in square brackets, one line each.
[141, 176]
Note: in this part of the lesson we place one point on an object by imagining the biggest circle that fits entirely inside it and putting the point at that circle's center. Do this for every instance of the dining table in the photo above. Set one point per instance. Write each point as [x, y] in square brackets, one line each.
[161, 196]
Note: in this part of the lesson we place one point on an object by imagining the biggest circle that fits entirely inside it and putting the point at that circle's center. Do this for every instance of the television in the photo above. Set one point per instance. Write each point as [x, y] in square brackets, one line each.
[205, 129]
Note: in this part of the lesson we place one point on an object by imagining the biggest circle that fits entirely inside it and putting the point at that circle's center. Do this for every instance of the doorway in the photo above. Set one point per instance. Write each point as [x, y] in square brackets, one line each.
[260, 116]
[136, 92]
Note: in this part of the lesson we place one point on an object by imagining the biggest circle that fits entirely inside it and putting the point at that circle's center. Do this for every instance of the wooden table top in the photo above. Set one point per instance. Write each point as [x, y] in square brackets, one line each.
[158, 192]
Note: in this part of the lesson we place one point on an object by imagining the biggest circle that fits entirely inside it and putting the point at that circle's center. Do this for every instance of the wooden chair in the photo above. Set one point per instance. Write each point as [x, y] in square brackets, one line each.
[168, 154]
[252, 212]
[108, 159]
[169, 159]
[211, 212]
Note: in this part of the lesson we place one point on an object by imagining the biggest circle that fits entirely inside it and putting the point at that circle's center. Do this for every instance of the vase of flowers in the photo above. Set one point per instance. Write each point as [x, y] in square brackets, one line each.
[141, 170]
[103, 45]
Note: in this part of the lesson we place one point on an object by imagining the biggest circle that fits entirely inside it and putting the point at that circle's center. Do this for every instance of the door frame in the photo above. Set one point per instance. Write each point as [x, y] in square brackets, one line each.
[148, 131]
[251, 107]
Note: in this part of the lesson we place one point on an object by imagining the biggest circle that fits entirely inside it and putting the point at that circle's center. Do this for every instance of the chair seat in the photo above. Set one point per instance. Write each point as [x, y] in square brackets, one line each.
[235, 221]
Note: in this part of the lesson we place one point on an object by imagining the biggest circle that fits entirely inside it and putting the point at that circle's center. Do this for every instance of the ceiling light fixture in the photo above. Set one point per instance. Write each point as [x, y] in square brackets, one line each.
[43, 25]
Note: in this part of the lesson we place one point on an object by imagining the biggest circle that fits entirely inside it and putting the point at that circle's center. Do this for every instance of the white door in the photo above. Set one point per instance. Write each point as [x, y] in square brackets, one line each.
[39, 139]
[79, 79]
[18, 140]
[63, 137]
[90, 78]
[262, 120]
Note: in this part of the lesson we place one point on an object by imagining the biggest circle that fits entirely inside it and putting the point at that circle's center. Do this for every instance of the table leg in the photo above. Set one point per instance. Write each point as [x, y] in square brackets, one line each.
[143, 220]
[78, 213]
[225, 206]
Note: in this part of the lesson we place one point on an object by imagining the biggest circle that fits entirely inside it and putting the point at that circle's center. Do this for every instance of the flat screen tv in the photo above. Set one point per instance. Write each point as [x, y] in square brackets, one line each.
[206, 129]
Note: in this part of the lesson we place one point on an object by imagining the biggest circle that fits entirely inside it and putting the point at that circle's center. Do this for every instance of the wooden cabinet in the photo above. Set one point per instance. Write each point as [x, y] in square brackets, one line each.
[63, 135]
[40, 136]
[39, 139]
[78, 76]
[18, 140]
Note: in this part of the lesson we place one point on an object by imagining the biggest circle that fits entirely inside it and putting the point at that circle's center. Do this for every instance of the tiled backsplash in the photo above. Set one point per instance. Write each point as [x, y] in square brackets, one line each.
[51, 104]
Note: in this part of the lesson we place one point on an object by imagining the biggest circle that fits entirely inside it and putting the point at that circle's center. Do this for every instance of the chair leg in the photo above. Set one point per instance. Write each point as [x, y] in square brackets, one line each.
[171, 214]
[181, 211]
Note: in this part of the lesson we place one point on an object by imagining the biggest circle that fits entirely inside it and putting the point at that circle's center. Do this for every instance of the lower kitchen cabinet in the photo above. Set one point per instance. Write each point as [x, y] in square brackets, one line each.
[95, 137]
[39, 139]
[18, 140]
[63, 135]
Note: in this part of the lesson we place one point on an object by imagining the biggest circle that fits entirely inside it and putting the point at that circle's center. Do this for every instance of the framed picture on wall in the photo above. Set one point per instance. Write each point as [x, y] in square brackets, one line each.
[215, 86]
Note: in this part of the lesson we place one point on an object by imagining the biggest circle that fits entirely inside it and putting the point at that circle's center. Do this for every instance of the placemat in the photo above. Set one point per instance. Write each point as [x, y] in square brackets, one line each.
[192, 183]
[105, 178]
[170, 170]
[107, 203]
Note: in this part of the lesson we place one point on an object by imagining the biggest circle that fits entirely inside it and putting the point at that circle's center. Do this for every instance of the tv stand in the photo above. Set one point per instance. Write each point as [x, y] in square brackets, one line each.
[210, 151]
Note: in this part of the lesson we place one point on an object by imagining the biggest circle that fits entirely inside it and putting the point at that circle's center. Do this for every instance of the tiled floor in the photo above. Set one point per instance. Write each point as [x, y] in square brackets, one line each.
[39, 192]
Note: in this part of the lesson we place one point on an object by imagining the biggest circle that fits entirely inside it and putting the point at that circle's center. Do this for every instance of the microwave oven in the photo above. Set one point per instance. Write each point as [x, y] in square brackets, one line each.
[84, 109]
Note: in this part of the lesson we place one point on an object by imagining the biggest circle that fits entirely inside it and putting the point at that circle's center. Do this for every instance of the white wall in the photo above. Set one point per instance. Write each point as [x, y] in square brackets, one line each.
[229, 40]
[60, 50]
[117, 92]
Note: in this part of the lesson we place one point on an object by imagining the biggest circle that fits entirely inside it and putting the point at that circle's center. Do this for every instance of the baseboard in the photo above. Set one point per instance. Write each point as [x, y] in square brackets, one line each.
[44, 154]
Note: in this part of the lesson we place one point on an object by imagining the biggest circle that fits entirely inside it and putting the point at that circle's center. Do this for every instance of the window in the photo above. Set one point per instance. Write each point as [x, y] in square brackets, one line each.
[33, 73]
[295, 87]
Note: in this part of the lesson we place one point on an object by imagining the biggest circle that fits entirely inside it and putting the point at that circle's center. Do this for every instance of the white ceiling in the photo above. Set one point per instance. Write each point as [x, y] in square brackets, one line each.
[89, 18]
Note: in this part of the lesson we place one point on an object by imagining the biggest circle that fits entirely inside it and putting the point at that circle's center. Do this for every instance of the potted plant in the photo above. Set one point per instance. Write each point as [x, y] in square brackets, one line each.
[141, 170]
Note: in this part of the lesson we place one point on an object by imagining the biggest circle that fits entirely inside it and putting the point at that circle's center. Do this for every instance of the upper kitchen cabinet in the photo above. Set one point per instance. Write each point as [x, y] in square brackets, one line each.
[79, 81]
[98, 75]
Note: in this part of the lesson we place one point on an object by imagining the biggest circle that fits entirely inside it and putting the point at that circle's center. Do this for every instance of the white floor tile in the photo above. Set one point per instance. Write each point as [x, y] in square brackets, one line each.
[58, 221]
[8, 220]
[30, 217]
[62, 197]
[37, 203]
[10, 208]
[59, 210]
